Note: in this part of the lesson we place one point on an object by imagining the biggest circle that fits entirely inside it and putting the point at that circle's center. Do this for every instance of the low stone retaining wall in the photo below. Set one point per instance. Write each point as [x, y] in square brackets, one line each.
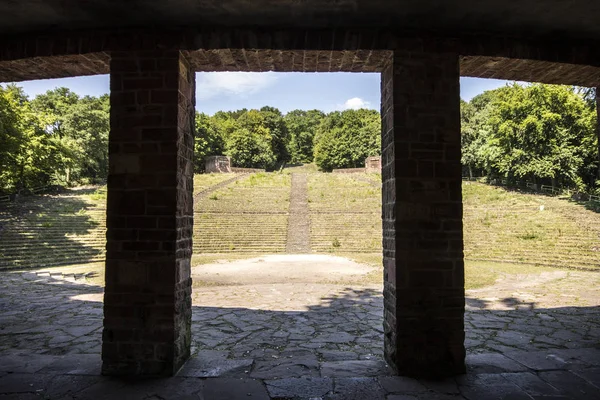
[348, 170]
[246, 170]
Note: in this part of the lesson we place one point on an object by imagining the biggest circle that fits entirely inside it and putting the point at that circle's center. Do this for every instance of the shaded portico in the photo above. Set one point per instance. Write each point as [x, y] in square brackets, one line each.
[147, 304]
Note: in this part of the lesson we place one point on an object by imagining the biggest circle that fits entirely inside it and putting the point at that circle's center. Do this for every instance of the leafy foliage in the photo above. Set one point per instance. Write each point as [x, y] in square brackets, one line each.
[209, 140]
[267, 139]
[302, 126]
[57, 138]
[344, 139]
[542, 133]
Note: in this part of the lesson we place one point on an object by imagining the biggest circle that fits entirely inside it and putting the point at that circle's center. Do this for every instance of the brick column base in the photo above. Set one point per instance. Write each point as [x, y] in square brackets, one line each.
[422, 215]
[147, 301]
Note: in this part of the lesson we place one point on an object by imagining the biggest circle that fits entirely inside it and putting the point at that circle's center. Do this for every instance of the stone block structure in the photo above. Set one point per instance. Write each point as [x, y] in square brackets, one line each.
[217, 164]
[152, 52]
[373, 164]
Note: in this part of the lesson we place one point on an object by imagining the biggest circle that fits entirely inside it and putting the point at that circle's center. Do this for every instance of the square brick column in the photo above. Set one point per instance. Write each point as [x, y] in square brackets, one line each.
[147, 300]
[422, 215]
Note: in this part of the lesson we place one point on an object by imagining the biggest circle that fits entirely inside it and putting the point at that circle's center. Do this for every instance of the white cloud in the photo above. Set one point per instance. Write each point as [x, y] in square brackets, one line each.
[242, 84]
[355, 103]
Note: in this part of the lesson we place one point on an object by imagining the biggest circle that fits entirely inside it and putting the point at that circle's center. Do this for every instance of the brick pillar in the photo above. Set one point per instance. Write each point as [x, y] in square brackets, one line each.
[422, 215]
[147, 301]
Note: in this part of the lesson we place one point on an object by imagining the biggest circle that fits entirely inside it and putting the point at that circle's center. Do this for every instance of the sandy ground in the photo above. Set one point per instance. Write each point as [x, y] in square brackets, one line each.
[289, 268]
[549, 289]
[313, 274]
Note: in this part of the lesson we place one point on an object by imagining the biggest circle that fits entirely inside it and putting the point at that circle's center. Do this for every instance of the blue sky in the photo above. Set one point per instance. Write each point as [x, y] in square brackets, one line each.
[287, 91]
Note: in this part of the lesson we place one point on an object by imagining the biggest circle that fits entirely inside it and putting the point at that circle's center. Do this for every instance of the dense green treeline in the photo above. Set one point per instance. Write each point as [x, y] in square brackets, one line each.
[545, 134]
[267, 139]
[56, 138]
[60, 138]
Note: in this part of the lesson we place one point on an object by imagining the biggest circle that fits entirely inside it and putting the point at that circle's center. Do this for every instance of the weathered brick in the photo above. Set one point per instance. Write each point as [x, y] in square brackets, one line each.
[147, 311]
[422, 259]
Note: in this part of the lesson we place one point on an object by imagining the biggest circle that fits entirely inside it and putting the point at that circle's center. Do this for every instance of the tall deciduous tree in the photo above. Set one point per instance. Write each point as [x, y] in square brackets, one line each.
[538, 132]
[345, 139]
[209, 140]
[85, 128]
[30, 155]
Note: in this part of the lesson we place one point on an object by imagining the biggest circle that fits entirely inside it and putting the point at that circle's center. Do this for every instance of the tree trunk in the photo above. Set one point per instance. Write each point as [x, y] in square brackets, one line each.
[21, 178]
[470, 173]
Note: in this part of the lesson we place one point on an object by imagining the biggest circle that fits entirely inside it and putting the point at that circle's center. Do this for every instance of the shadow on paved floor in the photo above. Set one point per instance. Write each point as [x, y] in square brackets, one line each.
[50, 334]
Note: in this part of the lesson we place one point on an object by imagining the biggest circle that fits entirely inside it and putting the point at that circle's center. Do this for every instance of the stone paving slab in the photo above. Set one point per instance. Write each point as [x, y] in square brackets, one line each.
[289, 341]
[57, 380]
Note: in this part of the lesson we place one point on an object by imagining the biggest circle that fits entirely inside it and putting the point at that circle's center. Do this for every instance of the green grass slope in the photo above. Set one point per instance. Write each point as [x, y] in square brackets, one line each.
[507, 226]
[249, 216]
[345, 213]
[45, 231]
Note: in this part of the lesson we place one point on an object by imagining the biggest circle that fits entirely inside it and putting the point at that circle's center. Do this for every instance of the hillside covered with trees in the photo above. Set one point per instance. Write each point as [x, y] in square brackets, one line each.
[544, 134]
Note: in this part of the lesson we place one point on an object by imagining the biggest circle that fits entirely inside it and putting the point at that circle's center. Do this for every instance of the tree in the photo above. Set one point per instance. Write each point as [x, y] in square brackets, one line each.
[278, 131]
[536, 132]
[260, 142]
[209, 140]
[52, 107]
[345, 139]
[28, 154]
[302, 126]
[85, 128]
[11, 137]
[251, 149]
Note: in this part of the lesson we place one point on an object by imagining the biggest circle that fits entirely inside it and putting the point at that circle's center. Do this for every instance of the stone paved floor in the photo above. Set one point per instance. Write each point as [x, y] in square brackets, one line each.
[290, 341]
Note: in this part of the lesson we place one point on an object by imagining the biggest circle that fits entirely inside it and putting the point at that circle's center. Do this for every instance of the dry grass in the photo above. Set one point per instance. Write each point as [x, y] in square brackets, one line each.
[261, 192]
[204, 181]
[345, 213]
[248, 216]
[477, 273]
[512, 227]
[506, 233]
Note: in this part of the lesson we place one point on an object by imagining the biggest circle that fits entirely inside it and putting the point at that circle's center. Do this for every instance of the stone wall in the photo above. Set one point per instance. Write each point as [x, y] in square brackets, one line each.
[217, 164]
[348, 170]
[373, 164]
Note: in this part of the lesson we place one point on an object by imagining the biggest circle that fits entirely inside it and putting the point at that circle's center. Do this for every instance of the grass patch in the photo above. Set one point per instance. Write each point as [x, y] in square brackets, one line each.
[99, 195]
[514, 227]
[204, 181]
[478, 274]
[259, 192]
[96, 279]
